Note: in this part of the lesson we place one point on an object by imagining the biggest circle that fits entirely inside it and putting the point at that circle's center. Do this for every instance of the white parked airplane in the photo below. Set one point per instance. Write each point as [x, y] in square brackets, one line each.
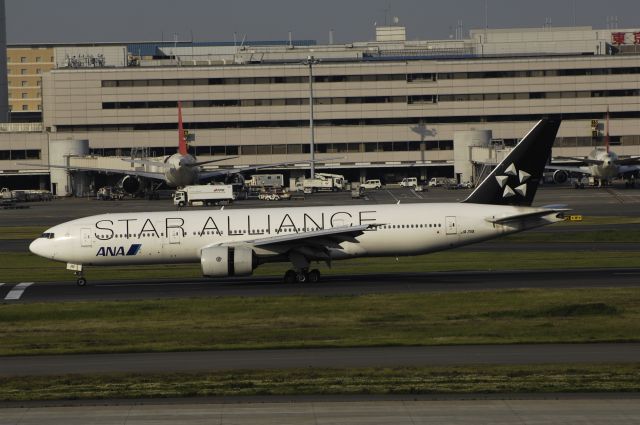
[234, 242]
[177, 170]
[602, 164]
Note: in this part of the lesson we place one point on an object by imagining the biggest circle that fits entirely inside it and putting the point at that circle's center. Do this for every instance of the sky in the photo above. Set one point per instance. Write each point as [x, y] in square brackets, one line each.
[65, 21]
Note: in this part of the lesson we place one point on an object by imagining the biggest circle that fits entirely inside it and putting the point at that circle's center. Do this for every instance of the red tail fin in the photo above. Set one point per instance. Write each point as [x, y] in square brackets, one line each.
[182, 143]
[606, 139]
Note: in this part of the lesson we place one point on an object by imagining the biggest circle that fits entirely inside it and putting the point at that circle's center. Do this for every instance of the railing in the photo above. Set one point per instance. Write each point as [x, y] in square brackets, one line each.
[21, 127]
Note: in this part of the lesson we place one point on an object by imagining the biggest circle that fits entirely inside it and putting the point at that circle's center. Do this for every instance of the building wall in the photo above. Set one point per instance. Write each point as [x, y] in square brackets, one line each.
[25, 66]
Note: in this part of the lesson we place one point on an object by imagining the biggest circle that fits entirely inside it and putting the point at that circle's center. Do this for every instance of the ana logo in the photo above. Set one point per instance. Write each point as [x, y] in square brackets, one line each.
[115, 251]
[522, 176]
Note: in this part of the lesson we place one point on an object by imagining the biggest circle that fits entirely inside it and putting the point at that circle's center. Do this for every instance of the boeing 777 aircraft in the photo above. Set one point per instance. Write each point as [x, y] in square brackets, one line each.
[235, 242]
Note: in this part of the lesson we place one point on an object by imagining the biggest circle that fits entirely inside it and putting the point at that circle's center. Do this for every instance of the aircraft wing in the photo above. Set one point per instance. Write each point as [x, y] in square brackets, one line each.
[313, 243]
[582, 160]
[147, 162]
[634, 160]
[217, 173]
[147, 174]
[569, 168]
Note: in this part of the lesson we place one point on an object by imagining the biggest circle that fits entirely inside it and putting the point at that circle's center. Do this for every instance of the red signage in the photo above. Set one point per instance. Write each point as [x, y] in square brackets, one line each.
[617, 37]
[636, 38]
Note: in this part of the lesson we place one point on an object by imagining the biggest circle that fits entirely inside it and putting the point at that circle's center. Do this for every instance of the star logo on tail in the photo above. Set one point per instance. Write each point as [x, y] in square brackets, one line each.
[510, 173]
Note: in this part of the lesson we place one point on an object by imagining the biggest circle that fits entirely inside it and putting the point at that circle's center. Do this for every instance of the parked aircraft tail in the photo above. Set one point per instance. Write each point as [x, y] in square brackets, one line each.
[182, 143]
[515, 180]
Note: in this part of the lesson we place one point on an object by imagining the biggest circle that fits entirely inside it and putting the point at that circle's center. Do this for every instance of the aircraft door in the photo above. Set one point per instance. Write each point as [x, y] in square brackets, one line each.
[85, 236]
[450, 224]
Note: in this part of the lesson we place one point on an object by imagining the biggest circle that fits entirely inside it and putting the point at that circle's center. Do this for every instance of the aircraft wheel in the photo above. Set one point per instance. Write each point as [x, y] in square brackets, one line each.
[81, 281]
[302, 277]
[314, 276]
[181, 204]
[290, 277]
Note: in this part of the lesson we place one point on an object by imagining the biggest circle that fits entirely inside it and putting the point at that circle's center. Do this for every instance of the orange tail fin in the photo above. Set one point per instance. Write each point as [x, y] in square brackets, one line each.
[606, 139]
[182, 143]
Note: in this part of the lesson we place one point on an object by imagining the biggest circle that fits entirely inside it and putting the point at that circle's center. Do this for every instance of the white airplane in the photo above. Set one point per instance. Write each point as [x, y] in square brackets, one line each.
[602, 163]
[177, 170]
[235, 242]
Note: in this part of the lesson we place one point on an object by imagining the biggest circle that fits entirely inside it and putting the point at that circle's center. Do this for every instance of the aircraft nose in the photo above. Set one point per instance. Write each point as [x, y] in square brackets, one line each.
[40, 248]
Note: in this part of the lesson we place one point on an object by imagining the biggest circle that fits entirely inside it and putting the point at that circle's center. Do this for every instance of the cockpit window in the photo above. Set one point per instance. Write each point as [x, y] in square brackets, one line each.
[48, 235]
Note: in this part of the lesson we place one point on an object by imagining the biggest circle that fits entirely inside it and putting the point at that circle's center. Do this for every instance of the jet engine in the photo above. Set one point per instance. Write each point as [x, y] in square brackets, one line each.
[221, 261]
[560, 176]
[131, 184]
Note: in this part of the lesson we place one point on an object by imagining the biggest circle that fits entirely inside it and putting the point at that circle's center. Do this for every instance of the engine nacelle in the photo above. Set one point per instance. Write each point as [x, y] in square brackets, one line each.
[131, 184]
[560, 176]
[221, 261]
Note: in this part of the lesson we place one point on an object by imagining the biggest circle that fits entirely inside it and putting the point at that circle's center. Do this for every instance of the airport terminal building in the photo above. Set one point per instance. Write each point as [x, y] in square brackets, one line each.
[385, 109]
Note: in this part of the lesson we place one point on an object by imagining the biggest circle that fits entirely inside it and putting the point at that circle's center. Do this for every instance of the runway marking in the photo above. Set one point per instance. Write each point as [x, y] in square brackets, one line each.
[17, 291]
[416, 194]
[392, 195]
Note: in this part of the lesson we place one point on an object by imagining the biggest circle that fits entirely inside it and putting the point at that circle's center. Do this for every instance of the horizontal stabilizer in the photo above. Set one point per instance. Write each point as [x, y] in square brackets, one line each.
[533, 214]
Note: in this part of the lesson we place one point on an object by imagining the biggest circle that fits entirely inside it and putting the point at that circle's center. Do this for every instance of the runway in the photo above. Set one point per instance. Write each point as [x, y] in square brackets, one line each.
[360, 357]
[331, 285]
[580, 409]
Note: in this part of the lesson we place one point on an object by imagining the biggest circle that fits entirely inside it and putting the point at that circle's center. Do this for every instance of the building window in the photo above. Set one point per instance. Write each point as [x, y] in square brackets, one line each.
[38, 71]
[38, 59]
[25, 95]
[23, 71]
[23, 59]
[25, 107]
[23, 83]
[38, 83]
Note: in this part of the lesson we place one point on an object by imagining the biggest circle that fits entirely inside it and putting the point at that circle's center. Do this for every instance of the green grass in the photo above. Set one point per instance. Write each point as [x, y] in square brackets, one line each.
[21, 232]
[427, 380]
[21, 267]
[482, 317]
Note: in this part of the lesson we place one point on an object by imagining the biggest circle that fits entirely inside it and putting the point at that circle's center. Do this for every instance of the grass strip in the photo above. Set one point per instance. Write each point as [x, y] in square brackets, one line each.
[478, 317]
[428, 380]
[21, 267]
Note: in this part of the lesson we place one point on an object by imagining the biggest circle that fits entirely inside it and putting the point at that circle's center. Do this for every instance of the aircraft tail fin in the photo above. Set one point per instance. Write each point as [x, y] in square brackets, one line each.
[515, 180]
[182, 143]
[606, 139]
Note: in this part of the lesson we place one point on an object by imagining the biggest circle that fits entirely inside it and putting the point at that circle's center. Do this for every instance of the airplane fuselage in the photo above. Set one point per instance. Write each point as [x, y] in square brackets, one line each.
[180, 236]
[182, 172]
[608, 169]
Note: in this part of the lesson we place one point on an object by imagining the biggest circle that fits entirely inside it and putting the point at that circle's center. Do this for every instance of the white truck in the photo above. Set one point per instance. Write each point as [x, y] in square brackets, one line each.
[371, 184]
[323, 182]
[275, 181]
[411, 182]
[442, 181]
[206, 194]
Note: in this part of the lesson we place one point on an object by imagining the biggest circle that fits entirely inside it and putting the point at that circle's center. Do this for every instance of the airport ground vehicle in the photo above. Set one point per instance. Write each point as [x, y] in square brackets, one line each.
[266, 181]
[205, 194]
[322, 182]
[441, 181]
[371, 184]
[411, 182]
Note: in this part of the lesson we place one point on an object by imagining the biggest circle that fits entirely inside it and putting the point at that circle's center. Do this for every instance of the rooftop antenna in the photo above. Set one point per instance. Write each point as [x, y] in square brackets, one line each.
[290, 40]
[331, 36]
[235, 39]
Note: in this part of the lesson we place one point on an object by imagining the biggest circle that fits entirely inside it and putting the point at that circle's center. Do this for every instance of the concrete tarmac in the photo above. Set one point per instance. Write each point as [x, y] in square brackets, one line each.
[330, 285]
[360, 357]
[583, 410]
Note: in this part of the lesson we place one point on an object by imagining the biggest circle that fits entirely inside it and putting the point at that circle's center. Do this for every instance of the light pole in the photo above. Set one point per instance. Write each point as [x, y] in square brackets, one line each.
[311, 61]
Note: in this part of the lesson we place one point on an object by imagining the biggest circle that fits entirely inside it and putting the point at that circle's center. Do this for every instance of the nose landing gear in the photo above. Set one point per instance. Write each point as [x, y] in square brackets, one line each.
[77, 271]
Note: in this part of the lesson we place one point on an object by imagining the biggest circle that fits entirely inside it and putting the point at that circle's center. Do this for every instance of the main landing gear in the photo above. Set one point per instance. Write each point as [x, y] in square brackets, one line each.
[302, 276]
